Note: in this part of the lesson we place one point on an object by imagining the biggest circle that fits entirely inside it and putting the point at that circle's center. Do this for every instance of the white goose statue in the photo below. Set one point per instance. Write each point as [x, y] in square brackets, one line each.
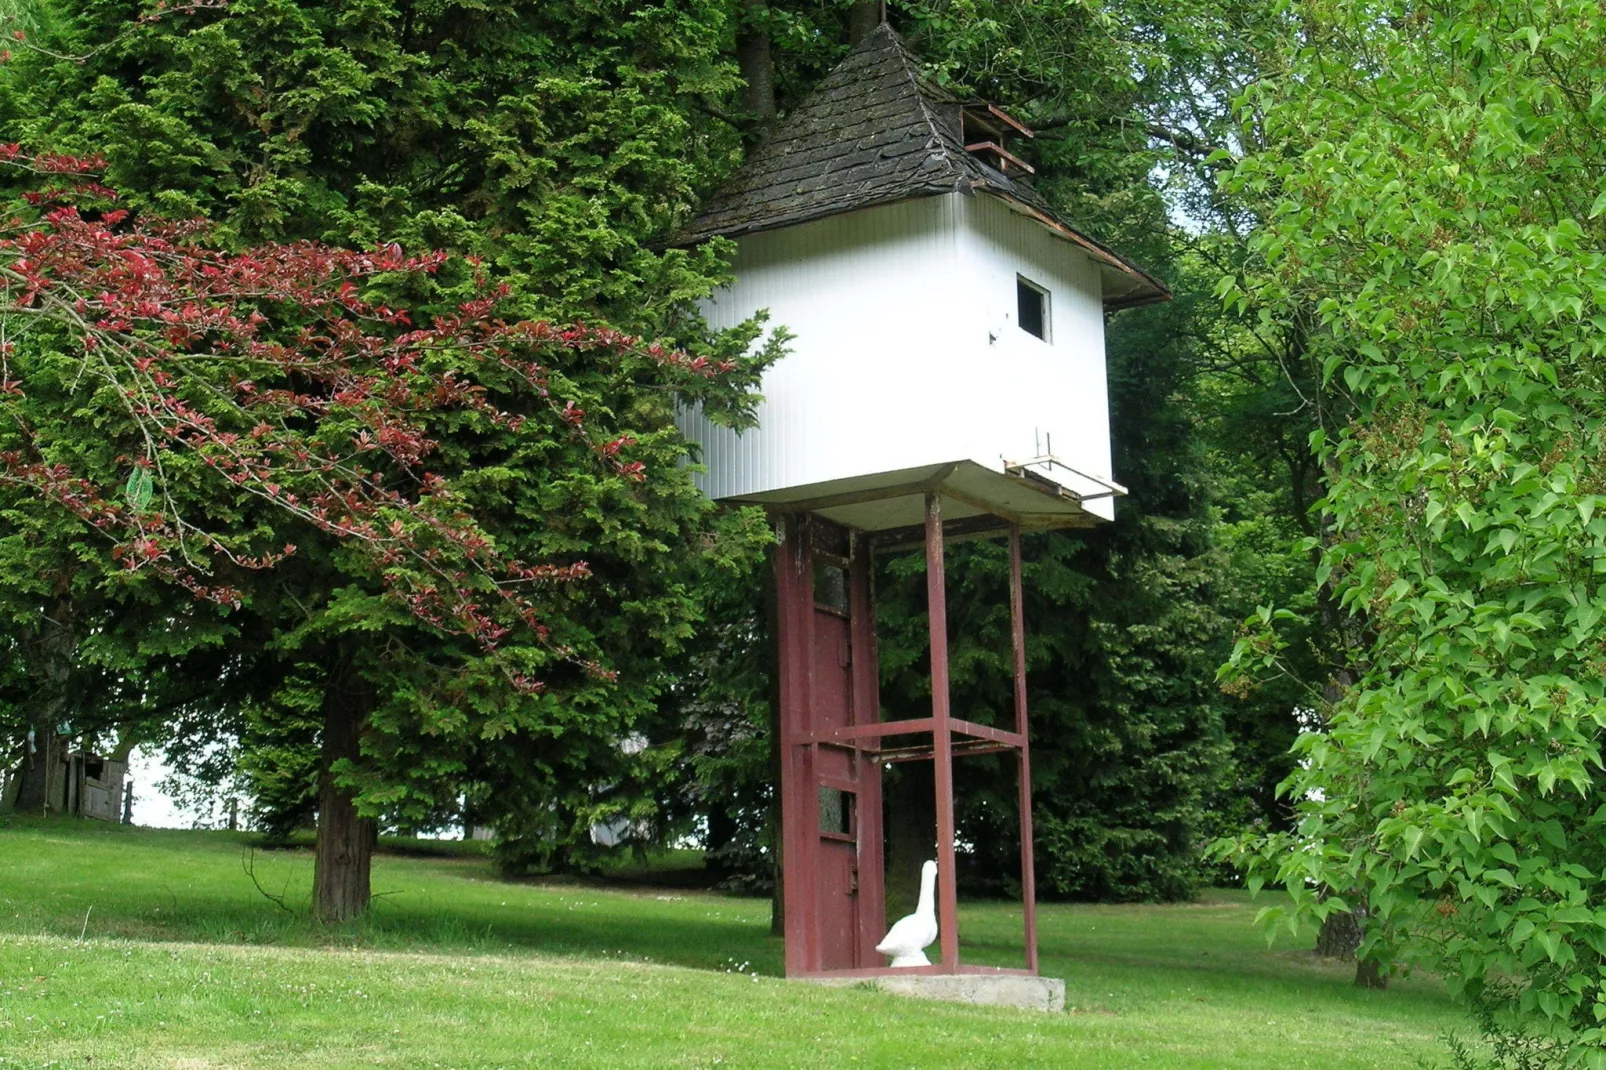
[909, 936]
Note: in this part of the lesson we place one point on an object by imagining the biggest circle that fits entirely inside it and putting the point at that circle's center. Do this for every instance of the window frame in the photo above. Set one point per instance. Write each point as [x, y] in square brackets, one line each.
[1045, 300]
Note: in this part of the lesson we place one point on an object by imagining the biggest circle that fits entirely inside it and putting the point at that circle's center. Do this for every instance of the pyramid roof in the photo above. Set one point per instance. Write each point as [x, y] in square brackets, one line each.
[875, 131]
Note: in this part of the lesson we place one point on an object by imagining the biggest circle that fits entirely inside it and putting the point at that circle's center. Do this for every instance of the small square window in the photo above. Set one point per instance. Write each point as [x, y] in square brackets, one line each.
[831, 586]
[836, 811]
[1031, 302]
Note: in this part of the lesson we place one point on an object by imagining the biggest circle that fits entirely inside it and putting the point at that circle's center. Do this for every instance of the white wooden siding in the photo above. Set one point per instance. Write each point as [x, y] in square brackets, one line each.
[1048, 390]
[907, 352]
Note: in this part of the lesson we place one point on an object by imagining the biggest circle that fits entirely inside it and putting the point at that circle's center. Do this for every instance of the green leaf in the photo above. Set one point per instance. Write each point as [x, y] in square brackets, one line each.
[1550, 940]
[1521, 931]
[1412, 838]
[1502, 876]
[139, 488]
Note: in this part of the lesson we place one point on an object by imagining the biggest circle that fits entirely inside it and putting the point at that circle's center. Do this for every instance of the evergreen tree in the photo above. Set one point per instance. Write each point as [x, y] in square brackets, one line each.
[552, 142]
[1138, 756]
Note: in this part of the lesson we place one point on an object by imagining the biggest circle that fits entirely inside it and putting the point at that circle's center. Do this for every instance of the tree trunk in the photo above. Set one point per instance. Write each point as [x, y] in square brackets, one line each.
[1368, 974]
[49, 655]
[345, 848]
[127, 740]
[757, 65]
[8, 792]
[33, 776]
[863, 17]
[721, 830]
[1340, 938]
[1340, 935]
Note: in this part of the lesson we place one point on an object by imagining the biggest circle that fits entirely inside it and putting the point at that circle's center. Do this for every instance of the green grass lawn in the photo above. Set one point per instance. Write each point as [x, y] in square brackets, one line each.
[142, 948]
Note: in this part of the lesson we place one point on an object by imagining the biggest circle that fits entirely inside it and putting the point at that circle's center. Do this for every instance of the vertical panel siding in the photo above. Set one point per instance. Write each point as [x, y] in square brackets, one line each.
[906, 352]
[864, 295]
[1055, 389]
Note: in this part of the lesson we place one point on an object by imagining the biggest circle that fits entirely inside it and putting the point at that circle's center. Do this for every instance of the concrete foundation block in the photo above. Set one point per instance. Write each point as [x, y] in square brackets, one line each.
[985, 990]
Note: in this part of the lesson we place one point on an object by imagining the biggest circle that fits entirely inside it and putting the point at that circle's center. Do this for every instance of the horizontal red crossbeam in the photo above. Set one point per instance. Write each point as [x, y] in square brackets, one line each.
[962, 749]
[981, 731]
[918, 725]
[873, 731]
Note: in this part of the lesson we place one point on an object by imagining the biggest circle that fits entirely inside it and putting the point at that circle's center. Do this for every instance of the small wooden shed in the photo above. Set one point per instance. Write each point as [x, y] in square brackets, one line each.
[88, 785]
[947, 379]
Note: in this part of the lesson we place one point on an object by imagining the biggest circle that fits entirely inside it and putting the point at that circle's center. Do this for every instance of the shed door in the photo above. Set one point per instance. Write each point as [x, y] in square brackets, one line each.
[837, 785]
[831, 801]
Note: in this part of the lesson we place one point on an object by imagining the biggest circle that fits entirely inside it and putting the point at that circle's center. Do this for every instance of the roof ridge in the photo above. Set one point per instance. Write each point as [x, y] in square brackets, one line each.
[858, 140]
[911, 68]
[869, 132]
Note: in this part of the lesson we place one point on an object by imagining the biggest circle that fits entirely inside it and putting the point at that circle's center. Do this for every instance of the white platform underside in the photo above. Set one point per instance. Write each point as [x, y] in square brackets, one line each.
[897, 500]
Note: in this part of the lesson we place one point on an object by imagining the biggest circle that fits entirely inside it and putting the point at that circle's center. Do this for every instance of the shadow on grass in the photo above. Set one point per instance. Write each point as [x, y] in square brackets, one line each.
[71, 877]
[68, 878]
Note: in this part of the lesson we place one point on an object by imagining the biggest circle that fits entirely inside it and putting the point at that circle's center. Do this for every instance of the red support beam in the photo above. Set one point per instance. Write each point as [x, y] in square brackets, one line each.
[942, 736]
[1028, 870]
[799, 799]
[832, 737]
[962, 749]
[982, 731]
[871, 871]
[873, 731]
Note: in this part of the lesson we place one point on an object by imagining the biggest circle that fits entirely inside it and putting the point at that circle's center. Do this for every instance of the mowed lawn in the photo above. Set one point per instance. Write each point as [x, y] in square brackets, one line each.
[142, 948]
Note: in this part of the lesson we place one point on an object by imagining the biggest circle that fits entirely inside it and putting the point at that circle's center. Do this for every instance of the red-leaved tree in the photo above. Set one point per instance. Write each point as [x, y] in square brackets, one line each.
[188, 405]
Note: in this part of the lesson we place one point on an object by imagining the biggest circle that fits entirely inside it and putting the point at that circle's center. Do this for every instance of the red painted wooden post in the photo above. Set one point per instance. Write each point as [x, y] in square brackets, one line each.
[867, 710]
[851, 719]
[942, 735]
[797, 872]
[788, 666]
[1028, 871]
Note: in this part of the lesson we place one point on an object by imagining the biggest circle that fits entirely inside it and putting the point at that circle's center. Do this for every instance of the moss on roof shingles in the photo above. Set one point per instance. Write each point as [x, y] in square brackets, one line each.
[874, 131]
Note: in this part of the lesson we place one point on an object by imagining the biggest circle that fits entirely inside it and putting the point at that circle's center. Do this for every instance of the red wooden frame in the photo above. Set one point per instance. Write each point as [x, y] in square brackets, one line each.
[804, 736]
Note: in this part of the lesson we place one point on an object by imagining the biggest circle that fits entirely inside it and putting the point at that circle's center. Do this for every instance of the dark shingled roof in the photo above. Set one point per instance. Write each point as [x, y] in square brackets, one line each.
[874, 132]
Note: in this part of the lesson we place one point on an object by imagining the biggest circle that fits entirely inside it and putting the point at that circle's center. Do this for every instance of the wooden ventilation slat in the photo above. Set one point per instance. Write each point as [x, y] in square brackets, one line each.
[1003, 154]
[997, 118]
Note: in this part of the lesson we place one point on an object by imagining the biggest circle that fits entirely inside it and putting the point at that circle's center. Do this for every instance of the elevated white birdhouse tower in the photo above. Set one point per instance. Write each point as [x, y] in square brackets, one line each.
[949, 326]
[947, 377]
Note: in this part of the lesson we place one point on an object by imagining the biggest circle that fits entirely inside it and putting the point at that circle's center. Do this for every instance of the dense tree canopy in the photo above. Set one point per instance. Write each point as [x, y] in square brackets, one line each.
[558, 143]
[1431, 189]
[469, 130]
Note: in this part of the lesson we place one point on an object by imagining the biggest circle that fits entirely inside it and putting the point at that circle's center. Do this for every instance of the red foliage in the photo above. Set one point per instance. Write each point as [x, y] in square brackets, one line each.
[292, 388]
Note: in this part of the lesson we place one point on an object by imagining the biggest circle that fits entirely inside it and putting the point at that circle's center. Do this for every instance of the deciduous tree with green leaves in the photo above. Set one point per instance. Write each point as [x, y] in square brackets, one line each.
[1431, 187]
